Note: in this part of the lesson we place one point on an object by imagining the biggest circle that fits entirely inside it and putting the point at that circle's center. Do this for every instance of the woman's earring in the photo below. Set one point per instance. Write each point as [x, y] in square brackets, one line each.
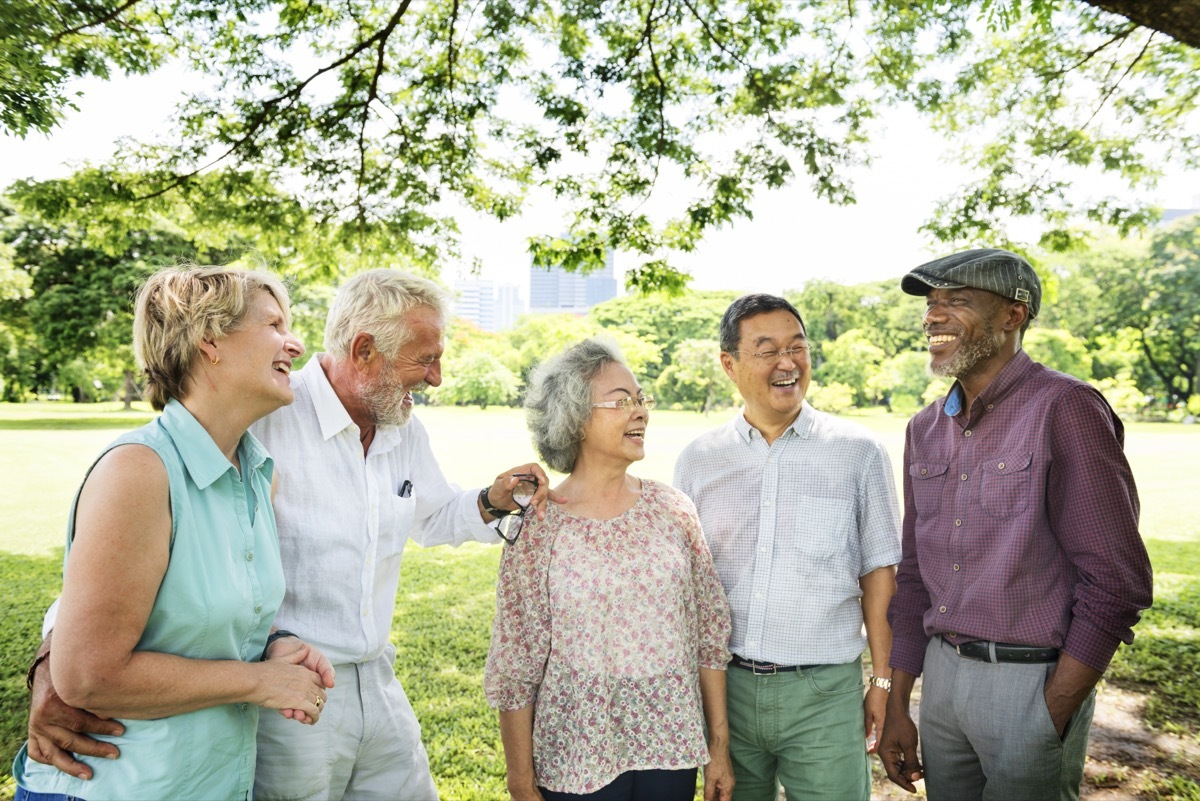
[215, 359]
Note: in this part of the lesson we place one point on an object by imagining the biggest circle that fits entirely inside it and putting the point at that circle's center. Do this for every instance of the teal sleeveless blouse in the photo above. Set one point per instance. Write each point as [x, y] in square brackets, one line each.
[217, 600]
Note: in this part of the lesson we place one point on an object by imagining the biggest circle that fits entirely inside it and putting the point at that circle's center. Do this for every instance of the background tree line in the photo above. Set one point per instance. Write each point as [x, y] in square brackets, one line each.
[1124, 314]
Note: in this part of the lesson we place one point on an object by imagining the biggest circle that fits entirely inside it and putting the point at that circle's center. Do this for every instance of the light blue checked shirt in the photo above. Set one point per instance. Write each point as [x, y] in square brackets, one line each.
[792, 527]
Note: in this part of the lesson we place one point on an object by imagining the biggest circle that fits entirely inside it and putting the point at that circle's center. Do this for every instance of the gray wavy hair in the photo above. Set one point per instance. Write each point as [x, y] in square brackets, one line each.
[558, 402]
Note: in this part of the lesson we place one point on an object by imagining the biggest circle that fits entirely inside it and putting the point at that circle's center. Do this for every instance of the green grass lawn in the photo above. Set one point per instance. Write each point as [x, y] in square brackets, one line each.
[444, 608]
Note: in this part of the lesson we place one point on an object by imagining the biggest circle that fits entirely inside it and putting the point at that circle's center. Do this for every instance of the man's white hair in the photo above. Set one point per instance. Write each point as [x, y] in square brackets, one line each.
[375, 303]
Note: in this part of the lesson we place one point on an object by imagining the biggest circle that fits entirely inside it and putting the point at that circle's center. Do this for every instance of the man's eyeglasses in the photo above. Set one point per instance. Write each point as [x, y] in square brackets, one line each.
[509, 527]
[626, 404]
[773, 355]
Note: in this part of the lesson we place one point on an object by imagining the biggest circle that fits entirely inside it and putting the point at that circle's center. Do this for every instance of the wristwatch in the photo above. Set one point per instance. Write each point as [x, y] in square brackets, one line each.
[487, 505]
[882, 683]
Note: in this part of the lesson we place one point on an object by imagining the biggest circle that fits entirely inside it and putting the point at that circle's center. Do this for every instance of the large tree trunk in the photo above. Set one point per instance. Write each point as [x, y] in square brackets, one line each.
[1179, 19]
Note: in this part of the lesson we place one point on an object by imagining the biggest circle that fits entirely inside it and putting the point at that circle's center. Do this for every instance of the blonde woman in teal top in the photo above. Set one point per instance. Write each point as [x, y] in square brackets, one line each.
[172, 575]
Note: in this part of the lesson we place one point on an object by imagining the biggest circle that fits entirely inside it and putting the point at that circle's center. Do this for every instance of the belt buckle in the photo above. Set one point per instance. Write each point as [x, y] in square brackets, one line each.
[763, 668]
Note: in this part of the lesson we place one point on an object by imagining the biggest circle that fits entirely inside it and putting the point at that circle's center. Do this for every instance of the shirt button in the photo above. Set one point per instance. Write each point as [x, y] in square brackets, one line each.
[1000, 466]
[956, 567]
[952, 635]
[990, 406]
[924, 471]
[249, 556]
[967, 433]
[941, 609]
[258, 609]
[964, 476]
[958, 522]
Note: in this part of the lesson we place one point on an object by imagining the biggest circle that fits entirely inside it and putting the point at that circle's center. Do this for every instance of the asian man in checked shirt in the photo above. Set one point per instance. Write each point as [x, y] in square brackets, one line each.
[800, 513]
[1023, 568]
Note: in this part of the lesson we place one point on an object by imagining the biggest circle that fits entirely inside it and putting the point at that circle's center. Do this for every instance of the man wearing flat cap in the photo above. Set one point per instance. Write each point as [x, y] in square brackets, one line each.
[1022, 567]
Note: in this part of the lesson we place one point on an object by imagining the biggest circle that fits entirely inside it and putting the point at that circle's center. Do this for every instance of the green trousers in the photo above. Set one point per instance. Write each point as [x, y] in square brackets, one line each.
[802, 730]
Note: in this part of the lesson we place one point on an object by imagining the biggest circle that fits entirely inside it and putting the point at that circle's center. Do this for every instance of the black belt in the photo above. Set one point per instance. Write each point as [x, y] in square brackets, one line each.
[766, 668]
[985, 651]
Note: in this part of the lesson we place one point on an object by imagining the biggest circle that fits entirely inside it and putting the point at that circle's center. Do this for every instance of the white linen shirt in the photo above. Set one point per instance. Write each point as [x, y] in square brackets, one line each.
[792, 528]
[342, 521]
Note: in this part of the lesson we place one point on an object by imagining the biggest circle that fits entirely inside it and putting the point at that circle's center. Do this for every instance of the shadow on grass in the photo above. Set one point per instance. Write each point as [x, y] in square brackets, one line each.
[31, 585]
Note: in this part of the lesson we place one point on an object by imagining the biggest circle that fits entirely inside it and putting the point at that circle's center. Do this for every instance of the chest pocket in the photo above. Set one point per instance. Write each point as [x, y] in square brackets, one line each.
[396, 523]
[928, 481]
[826, 525]
[1006, 484]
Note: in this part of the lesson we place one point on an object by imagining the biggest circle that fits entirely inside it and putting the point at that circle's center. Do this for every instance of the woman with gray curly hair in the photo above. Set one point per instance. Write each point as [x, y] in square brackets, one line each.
[620, 581]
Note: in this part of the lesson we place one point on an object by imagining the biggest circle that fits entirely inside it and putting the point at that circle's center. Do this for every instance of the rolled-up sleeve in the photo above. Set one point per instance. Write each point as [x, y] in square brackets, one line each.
[516, 660]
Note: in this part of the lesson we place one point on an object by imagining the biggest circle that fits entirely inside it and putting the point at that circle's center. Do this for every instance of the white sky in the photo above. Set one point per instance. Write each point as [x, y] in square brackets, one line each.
[792, 238]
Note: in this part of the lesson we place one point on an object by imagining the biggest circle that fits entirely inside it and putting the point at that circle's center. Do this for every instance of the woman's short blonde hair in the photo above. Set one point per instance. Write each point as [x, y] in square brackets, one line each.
[179, 308]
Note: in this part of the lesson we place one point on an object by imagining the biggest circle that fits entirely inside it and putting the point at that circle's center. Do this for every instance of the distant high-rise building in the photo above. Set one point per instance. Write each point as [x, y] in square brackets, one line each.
[491, 306]
[556, 290]
[1171, 215]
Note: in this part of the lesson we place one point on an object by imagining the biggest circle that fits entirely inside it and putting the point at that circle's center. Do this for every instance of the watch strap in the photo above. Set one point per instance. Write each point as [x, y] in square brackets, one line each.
[487, 505]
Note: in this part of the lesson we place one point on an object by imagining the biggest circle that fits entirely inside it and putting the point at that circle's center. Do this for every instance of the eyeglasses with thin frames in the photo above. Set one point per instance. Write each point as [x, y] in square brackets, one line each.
[509, 527]
[626, 404]
[793, 352]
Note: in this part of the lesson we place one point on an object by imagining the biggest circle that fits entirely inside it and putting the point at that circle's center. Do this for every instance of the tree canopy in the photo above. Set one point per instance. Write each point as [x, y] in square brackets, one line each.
[379, 121]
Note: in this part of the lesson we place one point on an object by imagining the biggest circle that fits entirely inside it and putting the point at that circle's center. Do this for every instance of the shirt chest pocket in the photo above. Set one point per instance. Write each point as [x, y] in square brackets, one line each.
[1006, 484]
[396, 523]
[825, 525]
[928, 481]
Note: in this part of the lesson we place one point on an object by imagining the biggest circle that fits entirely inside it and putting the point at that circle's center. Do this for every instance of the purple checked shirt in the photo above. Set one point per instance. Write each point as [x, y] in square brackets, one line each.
[1020, 522]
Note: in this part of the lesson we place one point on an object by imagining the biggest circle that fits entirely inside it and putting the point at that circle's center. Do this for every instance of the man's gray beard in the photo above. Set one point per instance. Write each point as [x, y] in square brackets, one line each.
[384, 400]
[969, 354]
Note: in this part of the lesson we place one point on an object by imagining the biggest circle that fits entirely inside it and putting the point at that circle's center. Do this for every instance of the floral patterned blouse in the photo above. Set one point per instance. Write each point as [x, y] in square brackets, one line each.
[604, 626]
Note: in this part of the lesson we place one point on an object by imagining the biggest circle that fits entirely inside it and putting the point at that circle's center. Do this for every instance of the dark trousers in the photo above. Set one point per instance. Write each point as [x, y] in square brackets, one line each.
[638, 785]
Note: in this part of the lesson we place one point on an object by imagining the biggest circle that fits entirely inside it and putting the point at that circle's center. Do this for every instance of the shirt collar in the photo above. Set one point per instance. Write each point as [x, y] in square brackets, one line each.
[1012, 374]
[802, 425]
[331, 414]
[201, 457]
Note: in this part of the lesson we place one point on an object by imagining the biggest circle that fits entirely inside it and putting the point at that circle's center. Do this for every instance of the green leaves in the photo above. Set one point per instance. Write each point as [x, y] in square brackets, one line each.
[651, 122]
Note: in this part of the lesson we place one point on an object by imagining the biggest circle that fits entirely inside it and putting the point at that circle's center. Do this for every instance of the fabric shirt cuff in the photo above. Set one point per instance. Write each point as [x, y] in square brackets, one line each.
[1091, 645]
[471, 525]
[510, 699]
[714, 659]
[908, 655]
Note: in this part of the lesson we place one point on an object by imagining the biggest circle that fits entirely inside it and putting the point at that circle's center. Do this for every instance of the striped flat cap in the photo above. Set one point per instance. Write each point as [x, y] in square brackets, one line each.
[998, 271]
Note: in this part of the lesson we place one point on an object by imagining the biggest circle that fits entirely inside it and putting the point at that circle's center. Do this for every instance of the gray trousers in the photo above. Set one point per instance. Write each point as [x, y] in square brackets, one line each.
[986, 732]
